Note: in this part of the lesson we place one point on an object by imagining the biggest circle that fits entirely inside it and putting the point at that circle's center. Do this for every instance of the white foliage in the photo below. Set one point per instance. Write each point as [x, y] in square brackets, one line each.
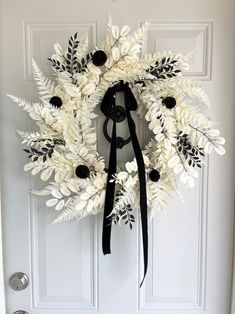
[66, 137]
[45, 86]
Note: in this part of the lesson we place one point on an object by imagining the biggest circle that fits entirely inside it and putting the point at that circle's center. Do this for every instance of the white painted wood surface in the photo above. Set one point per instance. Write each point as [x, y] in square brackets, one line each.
[191, 245]
[2, 289]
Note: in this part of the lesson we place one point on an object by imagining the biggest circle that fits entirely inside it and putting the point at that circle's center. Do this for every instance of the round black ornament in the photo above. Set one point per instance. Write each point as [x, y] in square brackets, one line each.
[154, 175]
[82, 172]
[99, 58]
[56, 101]
[169, 102]
[120, 142]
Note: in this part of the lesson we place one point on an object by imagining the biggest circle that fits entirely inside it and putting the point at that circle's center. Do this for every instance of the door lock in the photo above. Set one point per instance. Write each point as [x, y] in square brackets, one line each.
[18, 282]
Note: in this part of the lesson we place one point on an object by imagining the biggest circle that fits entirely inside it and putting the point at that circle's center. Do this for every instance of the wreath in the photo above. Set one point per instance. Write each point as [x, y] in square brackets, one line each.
[63, 149]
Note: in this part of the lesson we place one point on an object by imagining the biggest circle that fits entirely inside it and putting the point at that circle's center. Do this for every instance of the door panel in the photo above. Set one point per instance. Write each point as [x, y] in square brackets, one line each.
[190, 249]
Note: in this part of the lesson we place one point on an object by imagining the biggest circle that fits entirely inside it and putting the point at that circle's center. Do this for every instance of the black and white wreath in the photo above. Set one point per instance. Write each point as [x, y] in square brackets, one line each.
[63, 149]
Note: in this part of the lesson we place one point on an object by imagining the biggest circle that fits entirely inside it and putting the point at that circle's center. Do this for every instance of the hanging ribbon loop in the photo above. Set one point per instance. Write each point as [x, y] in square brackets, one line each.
[108, 105]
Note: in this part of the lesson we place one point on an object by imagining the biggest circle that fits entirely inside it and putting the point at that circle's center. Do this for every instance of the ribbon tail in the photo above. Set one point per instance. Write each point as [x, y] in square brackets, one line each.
[109, 196]
[142, 183]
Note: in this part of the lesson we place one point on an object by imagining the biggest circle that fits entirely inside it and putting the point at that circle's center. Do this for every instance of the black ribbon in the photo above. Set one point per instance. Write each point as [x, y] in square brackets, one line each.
[108, 106]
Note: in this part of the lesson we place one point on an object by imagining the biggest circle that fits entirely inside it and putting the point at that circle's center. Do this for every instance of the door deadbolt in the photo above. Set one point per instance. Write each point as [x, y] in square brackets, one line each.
[18, 282]
[20, 312]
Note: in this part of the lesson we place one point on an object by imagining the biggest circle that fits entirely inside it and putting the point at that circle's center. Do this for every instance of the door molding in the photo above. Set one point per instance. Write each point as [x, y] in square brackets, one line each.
[2, 290]
[232, 299]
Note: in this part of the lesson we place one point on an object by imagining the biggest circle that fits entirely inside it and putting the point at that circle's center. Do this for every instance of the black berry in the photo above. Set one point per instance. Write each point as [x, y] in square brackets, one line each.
[99, 58]
[154, 175]
[169, 102]
[82, 172]
[56, 101]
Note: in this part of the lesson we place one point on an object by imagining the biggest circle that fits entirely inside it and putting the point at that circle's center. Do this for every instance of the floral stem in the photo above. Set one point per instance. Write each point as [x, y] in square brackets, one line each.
[200, 131]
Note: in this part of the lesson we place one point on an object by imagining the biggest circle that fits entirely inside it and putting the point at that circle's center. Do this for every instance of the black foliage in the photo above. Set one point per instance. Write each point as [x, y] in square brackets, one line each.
[124, 214]
[192, 154]
[45, 151]
[57, 65]
[71, 58]
[82, 65]
[165, 68]
[71, 64]
[34, 153]
[161, 120]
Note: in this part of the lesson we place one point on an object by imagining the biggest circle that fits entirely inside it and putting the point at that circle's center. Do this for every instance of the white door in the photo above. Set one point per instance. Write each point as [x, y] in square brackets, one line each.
[190, 250]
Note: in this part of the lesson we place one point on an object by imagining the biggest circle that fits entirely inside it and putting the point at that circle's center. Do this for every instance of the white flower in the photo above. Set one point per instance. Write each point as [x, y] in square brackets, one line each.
[122, 175]
[131, 166]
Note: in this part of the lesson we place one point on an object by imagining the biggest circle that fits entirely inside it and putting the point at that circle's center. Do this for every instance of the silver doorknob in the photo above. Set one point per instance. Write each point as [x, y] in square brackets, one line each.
[20, 312]
[18, 282]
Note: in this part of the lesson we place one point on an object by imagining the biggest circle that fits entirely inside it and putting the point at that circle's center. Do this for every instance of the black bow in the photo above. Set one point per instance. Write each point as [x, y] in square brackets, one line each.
[108, 106]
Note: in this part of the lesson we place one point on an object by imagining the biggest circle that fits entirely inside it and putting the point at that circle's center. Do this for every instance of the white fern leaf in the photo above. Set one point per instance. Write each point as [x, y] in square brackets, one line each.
[66, 215]
[26, 105]
[83, 48]
[139, 35]
[45, 86]
[31, 138]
